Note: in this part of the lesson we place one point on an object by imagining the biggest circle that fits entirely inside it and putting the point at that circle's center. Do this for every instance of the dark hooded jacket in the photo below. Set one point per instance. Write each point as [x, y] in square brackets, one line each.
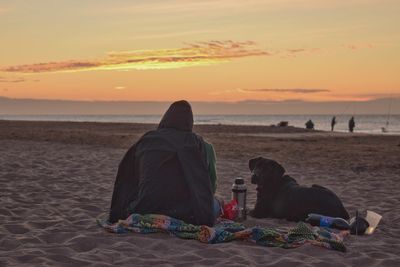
[166, 172]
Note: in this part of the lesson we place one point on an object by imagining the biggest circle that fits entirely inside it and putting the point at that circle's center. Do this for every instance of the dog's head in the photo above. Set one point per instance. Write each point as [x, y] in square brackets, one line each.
[265, 172]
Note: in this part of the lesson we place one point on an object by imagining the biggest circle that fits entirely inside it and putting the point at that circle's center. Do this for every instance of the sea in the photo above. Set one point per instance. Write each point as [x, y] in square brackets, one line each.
[371, 124]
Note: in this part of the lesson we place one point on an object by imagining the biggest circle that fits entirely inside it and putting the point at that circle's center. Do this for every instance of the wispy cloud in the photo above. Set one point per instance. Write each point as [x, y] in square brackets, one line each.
[370, 96]
[289, 90]
[12, 80]
[119, 87]
[228, 91]
[359, 46]
[16, 80]
[193, 54]
[296, 51]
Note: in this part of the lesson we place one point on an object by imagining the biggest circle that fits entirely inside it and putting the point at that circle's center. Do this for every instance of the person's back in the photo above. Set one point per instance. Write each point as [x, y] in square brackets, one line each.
[171, 171]
[173, 177]
[309, 125]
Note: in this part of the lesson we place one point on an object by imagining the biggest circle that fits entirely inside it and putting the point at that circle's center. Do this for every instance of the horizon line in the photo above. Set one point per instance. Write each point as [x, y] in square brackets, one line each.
[204, 101]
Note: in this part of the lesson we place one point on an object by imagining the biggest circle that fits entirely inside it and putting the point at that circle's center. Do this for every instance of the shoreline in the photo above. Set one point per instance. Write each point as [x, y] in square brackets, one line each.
[116, 133]
[370, 124]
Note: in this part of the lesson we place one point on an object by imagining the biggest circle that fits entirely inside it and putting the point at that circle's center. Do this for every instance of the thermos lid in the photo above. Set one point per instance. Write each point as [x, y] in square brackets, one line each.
[239, 181]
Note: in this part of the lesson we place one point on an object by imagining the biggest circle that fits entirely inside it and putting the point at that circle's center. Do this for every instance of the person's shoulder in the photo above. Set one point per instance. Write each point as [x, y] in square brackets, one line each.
[202, 140]
[149, 133]
[208, 144]
[147, 136]
[197, 139]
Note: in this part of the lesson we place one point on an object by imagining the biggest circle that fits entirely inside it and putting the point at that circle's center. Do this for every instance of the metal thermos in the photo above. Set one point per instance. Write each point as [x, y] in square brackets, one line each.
[239, 193]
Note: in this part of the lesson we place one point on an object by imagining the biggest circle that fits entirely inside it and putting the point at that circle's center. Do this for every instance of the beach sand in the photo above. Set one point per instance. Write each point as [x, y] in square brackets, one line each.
[56, 178]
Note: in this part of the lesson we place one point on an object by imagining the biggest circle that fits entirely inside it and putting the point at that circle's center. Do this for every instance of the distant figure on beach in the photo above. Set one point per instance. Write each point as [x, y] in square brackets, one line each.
[310, 125]
[352, 124]
[283, 124]
[333, 123]
[169, 171]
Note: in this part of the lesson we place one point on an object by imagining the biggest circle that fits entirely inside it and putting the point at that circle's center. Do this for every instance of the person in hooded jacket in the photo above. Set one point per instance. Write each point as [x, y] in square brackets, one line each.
[169, 171]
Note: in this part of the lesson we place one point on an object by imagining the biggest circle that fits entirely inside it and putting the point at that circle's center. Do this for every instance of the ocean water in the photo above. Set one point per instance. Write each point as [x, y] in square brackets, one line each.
[364, 123]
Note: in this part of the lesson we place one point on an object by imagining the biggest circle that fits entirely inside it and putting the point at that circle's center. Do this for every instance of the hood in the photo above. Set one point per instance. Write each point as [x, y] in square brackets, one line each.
[178, 116]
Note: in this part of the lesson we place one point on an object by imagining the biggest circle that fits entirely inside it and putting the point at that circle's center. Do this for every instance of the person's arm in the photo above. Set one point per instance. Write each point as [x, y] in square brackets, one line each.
[212, 165]
[125, 187]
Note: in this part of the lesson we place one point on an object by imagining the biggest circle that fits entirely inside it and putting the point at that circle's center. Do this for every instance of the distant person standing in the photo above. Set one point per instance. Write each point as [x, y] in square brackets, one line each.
[352, 124]
[333, 123]
[310, 125]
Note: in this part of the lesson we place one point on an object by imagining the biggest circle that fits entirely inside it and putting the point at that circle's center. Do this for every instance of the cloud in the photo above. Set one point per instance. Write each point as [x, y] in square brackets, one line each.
[16, 80]
[228, 91]
[369, 96]
[193, 54]
[291, 90]
[12, 80]
[119, 87]
[294, 52]
[359, 46]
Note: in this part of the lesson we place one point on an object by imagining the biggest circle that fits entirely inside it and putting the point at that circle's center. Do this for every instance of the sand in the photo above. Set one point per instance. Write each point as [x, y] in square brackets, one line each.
[56, 178]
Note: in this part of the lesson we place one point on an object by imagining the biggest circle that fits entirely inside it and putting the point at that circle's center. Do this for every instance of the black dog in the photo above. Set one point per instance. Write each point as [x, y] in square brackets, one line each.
[280, 196]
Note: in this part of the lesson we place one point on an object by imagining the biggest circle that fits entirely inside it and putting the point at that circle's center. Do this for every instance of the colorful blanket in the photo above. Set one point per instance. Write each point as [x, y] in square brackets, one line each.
[226, 230]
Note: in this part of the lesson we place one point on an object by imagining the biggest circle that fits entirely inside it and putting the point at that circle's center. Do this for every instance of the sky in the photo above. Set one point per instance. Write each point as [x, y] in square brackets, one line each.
[210, 50]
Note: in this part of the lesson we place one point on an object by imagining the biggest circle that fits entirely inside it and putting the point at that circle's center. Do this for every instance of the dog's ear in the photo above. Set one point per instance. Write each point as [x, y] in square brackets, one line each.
[253, 162]
[276, 169]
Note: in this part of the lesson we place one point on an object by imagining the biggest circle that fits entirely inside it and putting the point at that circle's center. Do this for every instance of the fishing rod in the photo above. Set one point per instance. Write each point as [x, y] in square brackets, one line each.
[386, 129]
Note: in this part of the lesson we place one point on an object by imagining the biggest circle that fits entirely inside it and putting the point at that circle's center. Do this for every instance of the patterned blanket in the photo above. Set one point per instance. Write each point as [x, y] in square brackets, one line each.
[226, 230]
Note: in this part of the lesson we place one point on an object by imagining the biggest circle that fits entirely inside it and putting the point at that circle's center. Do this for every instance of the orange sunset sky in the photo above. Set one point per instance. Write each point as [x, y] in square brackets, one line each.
[200, 50]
